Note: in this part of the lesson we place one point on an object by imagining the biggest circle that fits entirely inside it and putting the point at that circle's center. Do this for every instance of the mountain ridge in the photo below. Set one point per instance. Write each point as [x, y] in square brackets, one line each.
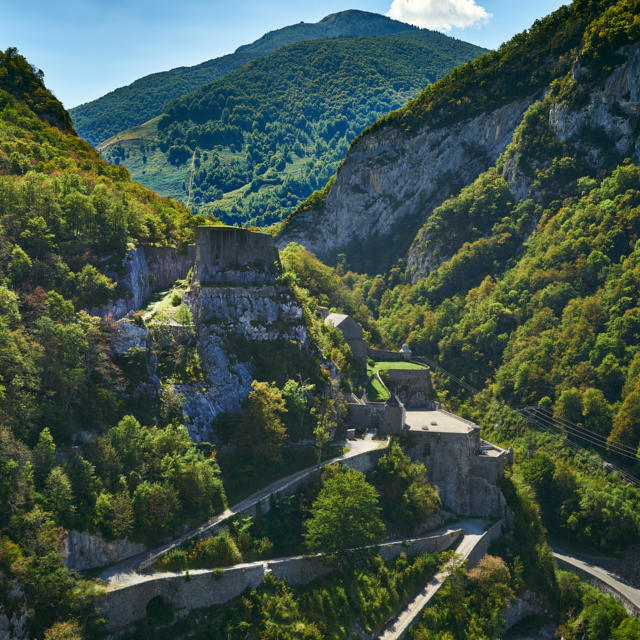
[248, 147]
[521, 70]
[137, 102]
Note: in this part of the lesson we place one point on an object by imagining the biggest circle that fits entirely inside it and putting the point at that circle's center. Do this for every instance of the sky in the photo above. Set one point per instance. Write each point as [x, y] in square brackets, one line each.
[87, 48]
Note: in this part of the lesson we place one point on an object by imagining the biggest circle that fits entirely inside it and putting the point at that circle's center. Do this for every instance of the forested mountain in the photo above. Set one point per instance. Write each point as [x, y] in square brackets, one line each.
[250, 146]
[92, 409]
[519, 273]
[66, 216]
[143, 99]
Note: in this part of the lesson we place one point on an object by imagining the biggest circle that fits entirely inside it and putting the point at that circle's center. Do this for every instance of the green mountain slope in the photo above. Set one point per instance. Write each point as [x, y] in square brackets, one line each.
[250, 146]
[143, 99]
[447, 136]
[524, 282]
[65, 217]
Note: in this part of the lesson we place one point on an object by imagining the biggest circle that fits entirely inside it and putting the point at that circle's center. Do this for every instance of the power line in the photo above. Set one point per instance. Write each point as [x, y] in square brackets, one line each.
[535, 415]
[552, 425]
[605, 440]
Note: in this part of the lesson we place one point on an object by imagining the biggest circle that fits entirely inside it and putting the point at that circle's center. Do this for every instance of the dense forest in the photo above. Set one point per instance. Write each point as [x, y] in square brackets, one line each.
[145, 98]
[250, 146]
[530, 300]
[65, 217]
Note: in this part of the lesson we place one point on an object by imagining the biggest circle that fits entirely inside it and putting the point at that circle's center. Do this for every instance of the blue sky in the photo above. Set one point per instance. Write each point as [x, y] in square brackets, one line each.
[89, 47]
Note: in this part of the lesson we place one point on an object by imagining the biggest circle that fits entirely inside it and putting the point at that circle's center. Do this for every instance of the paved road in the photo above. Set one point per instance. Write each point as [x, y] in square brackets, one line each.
[125, 572]
[615, 583]
[473, 530]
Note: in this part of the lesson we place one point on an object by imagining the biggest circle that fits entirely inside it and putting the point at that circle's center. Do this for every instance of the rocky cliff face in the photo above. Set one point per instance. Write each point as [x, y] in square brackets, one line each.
[83, 550]
[14, 612]
[144, 270]
[391, 181]
[224, 315]
[600, 132]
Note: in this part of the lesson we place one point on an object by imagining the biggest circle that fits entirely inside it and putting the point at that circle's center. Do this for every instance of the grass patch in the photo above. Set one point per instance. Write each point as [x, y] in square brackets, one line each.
[376, 392]
[385, 366]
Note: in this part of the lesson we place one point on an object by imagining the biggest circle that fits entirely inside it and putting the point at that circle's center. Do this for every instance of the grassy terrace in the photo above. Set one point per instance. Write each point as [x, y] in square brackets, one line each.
[376, 392]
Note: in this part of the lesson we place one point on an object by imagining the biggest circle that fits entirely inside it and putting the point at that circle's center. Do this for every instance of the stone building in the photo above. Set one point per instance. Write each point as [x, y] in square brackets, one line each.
[352, 333]
[465, 468]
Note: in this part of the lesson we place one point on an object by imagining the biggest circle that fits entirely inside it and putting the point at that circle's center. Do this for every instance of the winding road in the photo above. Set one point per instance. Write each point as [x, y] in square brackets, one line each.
[127, 571]
[473, 533]
[610, 583]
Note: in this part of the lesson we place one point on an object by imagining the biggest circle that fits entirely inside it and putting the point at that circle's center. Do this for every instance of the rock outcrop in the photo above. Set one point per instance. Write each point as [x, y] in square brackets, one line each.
[224, 315]
[83, 550]
[391, 181]
[145, 270]
[14, 612]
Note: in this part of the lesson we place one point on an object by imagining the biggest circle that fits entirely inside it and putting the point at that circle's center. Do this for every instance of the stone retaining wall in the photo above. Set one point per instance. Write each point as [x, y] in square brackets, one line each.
[601, 585]
[122, 607]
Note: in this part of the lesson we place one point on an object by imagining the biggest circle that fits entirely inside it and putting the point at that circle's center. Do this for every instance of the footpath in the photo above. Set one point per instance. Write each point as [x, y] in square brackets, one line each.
[127, 571]
[471, 549]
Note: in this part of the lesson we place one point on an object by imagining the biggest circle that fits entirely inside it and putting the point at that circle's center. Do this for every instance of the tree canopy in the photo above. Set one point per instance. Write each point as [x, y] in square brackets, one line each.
[345, 515]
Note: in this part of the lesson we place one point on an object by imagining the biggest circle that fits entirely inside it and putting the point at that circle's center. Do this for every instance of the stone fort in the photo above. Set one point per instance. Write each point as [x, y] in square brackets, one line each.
[221, 256]
[231, 255]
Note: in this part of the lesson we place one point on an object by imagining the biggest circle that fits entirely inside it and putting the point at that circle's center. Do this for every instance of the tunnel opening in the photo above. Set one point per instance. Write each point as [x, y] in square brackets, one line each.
[159, 610]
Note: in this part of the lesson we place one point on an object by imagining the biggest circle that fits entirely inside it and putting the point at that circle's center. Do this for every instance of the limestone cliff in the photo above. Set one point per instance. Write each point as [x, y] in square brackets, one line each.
[222, 316]
[203, 354]
[14, 613]
[83, 550]
[391, 181]
[143, 271]
[395, 174]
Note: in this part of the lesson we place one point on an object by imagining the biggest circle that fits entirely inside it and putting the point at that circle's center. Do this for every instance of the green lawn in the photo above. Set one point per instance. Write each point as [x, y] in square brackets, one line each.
[385, 366]
[377, 392]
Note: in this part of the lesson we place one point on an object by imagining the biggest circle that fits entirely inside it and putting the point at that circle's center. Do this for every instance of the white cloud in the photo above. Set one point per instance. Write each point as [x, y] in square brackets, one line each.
[438, 14]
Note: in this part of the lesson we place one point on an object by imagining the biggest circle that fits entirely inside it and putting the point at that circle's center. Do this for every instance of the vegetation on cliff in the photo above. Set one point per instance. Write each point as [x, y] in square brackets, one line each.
[67, 217]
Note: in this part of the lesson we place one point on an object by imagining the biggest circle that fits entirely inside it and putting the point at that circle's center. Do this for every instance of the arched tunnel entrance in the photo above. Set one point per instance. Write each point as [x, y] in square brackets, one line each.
[159, 610]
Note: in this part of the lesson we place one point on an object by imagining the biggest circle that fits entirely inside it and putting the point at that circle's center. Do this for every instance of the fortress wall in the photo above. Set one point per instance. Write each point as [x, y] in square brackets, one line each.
[391, 550]
[299, 570]
[124, 606]
[384, 355]
[221, 255]
[364, 462]
[412, 386]
[226, 255]
[167, 264]
[489, 468]
[466, 481]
